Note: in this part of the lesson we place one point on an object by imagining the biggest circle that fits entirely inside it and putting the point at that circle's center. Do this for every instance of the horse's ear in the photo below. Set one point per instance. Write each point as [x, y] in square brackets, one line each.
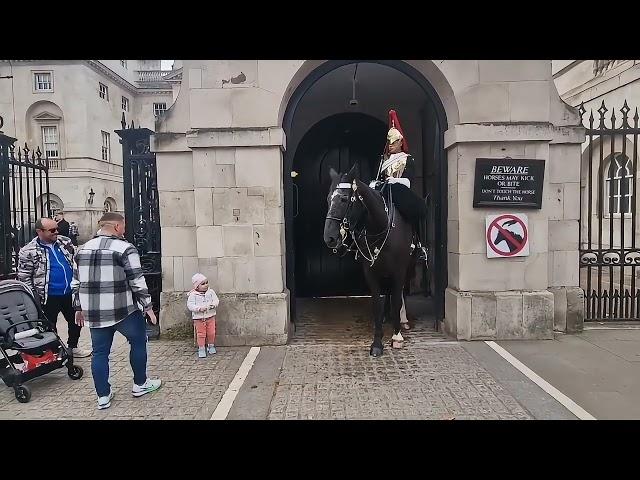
[353, 173]
[334, 175]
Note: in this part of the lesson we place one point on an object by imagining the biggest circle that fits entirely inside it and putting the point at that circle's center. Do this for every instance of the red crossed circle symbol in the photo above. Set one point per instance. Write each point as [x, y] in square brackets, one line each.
[519, 245]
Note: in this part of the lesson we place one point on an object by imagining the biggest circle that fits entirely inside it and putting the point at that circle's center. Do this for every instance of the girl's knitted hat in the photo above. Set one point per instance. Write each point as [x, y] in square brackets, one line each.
[197, 280]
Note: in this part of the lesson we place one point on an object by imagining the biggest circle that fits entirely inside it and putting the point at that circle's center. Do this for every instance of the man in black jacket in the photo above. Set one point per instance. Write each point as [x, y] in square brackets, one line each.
[63, 225]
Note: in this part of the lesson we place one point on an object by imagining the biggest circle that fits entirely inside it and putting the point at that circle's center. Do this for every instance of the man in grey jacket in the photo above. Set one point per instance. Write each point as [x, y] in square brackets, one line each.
[46, 265]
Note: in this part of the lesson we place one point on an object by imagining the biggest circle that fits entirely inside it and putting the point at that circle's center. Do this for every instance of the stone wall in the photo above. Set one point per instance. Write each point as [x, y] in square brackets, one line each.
[221, 214]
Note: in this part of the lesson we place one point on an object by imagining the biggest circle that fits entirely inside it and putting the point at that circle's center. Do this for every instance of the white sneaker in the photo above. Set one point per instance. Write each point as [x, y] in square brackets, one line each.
[80, 352]
[147, 387]
[105, 402]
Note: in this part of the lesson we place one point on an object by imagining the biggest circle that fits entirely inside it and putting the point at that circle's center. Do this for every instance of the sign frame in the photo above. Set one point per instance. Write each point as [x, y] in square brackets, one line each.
[529, 191]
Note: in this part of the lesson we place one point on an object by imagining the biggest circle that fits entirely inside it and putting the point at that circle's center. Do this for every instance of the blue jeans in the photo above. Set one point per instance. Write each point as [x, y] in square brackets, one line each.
[133, 328]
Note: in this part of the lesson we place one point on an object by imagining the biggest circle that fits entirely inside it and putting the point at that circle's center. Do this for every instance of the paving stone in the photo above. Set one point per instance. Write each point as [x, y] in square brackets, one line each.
[191, 388]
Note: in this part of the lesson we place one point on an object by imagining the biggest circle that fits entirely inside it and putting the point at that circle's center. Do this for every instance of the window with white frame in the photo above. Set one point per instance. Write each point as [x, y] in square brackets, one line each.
[159, 108]
[619, 184]
[43, 81]
[104, 91]
[50, 142]
[125, 104]
[123, 63]
[106, 146]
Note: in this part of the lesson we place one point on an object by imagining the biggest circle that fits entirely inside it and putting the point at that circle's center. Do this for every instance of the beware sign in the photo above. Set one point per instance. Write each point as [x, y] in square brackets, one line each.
[507, 235]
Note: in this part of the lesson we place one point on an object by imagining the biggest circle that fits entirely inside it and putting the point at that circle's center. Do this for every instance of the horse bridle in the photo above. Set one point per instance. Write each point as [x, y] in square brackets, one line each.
[344, 227]
[344, 222]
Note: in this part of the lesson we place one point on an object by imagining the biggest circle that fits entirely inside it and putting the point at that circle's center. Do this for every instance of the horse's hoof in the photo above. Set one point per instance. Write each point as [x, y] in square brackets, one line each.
[397, 344]
[375, 351]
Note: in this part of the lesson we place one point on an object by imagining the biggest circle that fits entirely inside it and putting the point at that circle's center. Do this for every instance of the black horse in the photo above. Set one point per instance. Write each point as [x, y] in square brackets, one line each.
[382, 239]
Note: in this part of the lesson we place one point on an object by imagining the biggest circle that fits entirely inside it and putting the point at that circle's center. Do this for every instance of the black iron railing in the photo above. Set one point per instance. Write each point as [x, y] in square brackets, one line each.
[609, 256]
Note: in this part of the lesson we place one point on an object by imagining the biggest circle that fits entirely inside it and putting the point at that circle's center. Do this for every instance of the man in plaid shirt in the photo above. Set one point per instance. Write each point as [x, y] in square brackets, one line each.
[110, 294]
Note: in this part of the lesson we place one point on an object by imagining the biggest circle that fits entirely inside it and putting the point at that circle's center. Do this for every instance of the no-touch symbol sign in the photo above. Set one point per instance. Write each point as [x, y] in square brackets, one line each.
[507, 235]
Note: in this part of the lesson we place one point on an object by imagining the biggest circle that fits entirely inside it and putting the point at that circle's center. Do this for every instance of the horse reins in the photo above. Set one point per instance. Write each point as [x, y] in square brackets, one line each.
[344, 227]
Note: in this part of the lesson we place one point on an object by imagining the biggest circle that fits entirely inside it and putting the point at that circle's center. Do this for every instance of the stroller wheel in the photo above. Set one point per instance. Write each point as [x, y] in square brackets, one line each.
[75, 372]
[23, 394]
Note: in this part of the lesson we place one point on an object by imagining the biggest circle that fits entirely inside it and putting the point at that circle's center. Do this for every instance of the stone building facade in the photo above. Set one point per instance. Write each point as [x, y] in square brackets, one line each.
[70, 109]
[614, 82]
[227, 152]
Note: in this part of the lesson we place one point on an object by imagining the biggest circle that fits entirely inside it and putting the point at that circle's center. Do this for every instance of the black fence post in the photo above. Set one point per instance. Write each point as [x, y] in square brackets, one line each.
[6, 234]
[142, 208]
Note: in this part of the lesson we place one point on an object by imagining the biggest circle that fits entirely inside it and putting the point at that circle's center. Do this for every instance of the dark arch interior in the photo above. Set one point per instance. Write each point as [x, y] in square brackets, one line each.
[324, 129]
[338, 142]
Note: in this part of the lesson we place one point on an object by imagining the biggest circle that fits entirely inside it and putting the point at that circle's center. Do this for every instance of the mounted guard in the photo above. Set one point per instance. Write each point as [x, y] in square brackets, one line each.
[395, 172]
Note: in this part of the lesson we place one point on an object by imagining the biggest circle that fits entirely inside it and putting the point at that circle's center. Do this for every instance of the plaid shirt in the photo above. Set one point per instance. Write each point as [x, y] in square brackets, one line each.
[108, 284]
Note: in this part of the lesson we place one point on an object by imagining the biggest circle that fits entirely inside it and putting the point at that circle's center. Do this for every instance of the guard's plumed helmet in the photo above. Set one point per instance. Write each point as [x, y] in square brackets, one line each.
[395, 133]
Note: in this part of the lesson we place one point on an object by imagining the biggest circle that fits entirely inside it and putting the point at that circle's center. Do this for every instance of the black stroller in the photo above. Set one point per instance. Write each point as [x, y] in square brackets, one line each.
[25, 329]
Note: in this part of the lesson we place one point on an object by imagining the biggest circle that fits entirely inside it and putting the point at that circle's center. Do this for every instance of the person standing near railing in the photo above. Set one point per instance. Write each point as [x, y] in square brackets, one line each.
[73, 233]
[45, 266]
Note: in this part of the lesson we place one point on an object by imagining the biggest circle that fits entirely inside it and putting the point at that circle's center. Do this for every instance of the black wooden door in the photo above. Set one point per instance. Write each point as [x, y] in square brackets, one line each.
[340, 142]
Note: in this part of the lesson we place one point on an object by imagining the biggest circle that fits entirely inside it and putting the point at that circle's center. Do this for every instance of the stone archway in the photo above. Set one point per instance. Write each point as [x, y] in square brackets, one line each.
[429, 137]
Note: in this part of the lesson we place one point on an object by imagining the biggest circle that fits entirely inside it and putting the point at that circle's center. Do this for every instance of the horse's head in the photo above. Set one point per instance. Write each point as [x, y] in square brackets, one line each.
[339, 203]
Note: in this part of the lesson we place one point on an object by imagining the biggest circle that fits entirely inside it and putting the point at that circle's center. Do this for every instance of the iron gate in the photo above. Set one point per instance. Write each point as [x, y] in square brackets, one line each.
[142, 208]
[24, 197]
[609, 254]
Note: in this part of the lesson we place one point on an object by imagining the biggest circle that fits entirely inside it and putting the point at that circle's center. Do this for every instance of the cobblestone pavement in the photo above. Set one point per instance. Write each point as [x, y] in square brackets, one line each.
[328, 374]
[191, 387]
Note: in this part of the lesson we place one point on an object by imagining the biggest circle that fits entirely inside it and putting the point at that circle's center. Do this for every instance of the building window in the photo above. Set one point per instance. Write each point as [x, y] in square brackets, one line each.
[104, 91]
[43, 82]
[50, 142]
[159, 108]
[106, 146]
[619, 185]
[123, 63]
[109, 205]
[125, 104]
[53, 207]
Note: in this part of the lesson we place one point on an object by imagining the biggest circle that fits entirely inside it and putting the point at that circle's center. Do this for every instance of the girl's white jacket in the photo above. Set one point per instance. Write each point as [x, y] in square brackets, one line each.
[197, 300]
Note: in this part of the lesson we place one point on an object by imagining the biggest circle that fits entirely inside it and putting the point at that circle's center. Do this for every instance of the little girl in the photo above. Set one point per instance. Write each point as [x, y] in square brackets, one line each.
[202, 303]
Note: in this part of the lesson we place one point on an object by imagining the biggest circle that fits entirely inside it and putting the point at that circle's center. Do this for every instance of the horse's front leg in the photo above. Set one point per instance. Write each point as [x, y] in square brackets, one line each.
[378, 313]
[377, 302]
[396, 304]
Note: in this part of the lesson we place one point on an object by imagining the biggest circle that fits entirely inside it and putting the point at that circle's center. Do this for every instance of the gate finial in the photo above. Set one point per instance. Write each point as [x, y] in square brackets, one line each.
[123, 122]
[625, 115]
[602, 110]
[613, 118]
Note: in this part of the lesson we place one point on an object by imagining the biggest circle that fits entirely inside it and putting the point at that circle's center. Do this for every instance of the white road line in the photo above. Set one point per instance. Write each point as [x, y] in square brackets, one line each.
[625, 327]
[223, 408]
[569, 404]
